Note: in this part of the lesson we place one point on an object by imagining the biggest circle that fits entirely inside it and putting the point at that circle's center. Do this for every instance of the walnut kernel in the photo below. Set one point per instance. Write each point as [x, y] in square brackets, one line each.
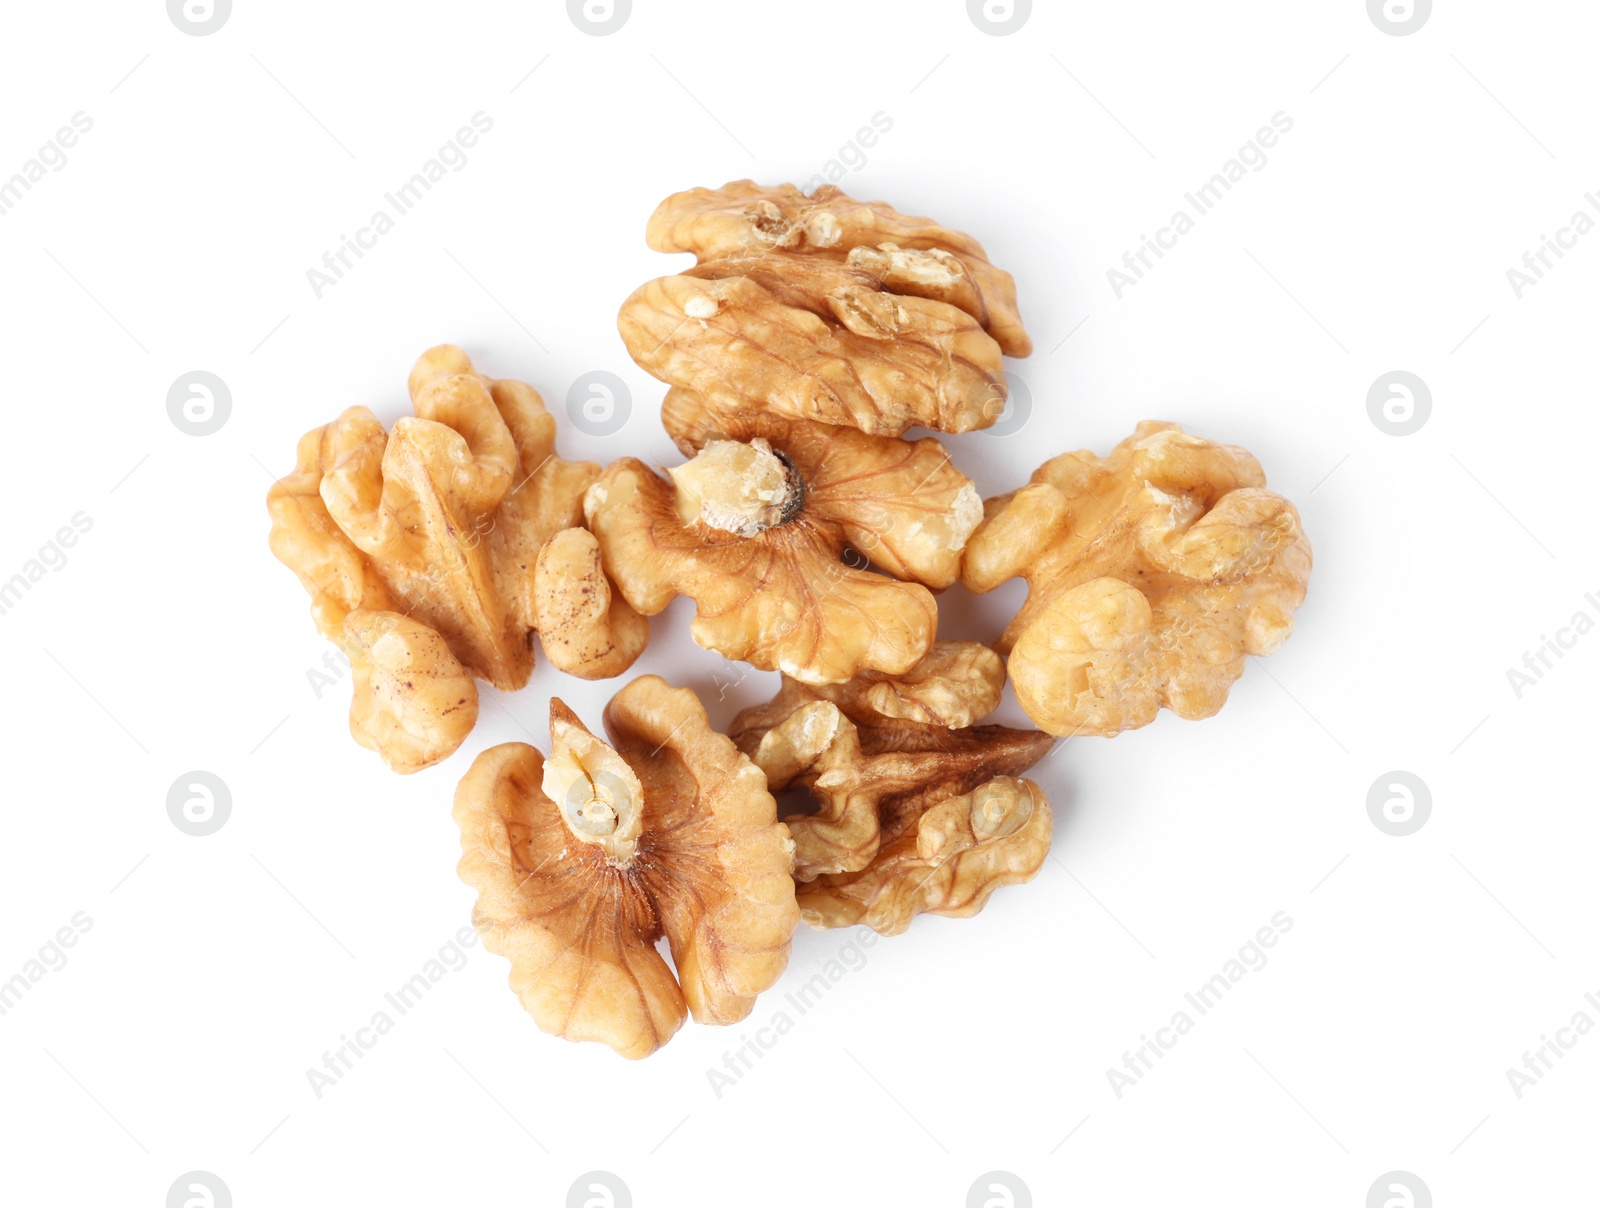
[877, 752]
[825, 308]
[584, 860]
[756, 527]
[440, 522]
[1152, 573]
[961, 851]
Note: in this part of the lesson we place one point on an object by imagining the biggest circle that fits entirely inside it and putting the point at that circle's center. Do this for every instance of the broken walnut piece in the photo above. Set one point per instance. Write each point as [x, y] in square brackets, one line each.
[1152, 573]
[877, 752]
[587, 628]
[825, 308]
[584, 860]
[441, 521]
[756, 528]
[412, 701]
[961, 851]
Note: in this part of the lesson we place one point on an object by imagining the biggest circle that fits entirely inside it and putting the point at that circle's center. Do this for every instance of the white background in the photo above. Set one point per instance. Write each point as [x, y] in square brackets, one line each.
[1378, 236]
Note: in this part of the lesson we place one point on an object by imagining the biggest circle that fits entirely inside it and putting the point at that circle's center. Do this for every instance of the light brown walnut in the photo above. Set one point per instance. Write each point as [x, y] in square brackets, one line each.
[412, 701]
[1152, 574]
[825, 308]
[756, 526]
[743, 219]
[961, 851]
[587, 628]
[584, 860]
[877, 752]
[440, 522]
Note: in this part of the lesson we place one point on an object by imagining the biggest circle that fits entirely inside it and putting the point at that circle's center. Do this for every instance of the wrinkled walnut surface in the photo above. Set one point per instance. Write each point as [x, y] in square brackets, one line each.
[411, 698]
[587, 629]
[754, 528]
[825, 308]
[584, 860]
[436, 527]
[877, 752]
[961, 851]
[1152, 573]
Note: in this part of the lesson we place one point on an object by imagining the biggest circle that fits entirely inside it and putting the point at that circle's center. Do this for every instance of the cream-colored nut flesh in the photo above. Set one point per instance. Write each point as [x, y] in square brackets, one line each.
[599, 796]
[734, 487]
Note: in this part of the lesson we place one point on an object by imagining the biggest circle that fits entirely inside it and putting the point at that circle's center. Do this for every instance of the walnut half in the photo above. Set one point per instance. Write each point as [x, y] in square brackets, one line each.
[1152, 573]
[756, 528]
[825, 308]
[962, 850]
[584, 860]
[419, 547]
[878, 752]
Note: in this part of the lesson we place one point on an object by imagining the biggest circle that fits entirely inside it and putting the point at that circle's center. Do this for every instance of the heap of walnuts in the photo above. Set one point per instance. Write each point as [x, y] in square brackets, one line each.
[811, 334]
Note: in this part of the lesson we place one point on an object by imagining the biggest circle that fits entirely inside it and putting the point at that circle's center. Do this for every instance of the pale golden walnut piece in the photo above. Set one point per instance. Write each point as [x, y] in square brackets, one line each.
[587, 628]
[1152, 573]
[412, 701]
[440, 524]
[962, 850]
[825, 308]
[877, 752]
[755, 528]
[584, 860]
[744, 219]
